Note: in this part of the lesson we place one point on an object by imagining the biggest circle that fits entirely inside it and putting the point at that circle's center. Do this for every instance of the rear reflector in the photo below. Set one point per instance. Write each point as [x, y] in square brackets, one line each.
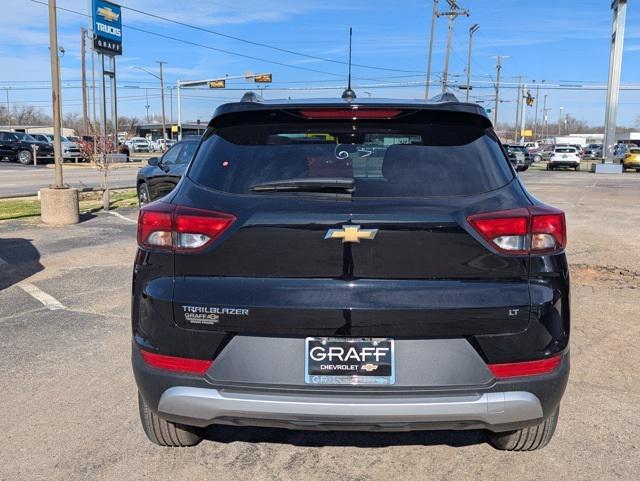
[178, 228]
[531, 230]
[176, 364]
[524, 369]
[352, 113]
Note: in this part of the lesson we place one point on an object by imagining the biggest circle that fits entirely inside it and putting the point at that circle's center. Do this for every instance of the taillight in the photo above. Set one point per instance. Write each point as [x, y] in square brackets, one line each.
[176, 364]
[178, 228]
[353, 113]
[528, 230]
[525, 369]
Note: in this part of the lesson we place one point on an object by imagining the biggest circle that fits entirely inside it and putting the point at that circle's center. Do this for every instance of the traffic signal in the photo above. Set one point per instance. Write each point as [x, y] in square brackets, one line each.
[530, 99]
[263, 78]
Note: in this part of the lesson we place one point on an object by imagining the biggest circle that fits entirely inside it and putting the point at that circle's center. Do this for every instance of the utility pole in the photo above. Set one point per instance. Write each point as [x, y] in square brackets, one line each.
[453, 13]
[498, 69]
[147, 106]
[473, 29]
[83, 61]
[6, 90]
[523, 113]
[519, 98]
[619, 13]
[164, 127]
[434, 15]
[55, 92]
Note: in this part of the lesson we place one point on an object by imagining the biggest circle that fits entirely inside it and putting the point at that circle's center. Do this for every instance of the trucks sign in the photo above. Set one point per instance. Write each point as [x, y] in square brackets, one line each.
[107, 27]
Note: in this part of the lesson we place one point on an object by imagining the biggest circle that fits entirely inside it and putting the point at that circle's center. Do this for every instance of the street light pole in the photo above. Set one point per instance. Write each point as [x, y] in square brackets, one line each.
[473, 29]
[560, 121]
[164, 127]
[55, 92]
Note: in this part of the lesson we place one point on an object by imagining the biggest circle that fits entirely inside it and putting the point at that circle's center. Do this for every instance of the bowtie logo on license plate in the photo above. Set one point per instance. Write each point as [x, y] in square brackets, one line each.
[351, 233]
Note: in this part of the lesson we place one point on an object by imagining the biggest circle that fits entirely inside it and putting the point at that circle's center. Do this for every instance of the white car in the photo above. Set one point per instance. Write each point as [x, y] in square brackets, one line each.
[162, 145]
[564, 156]
[70, 149]
[138, 144]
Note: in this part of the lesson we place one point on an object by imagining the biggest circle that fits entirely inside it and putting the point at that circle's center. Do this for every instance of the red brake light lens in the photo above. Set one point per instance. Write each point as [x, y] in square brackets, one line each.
[524, 369]
[535, 229]
[176, 364]
[351, 113]
[179, 228]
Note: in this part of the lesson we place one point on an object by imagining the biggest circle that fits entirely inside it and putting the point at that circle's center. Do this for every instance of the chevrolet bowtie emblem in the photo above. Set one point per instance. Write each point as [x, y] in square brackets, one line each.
[108, 14]
[351, 233]
[369, 367]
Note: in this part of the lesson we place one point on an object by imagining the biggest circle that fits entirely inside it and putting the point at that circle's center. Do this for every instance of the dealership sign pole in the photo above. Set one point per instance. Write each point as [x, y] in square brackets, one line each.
[107, 41]
[619, 10]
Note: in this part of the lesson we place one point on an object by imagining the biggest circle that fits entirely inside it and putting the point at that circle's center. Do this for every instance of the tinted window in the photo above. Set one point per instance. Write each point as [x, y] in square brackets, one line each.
[186, 154]
[390, 160]
[566, 150]
[170, 157]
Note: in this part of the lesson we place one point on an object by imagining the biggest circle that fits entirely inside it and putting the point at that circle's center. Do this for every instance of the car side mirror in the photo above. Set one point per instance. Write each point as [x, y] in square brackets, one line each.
[154, 161]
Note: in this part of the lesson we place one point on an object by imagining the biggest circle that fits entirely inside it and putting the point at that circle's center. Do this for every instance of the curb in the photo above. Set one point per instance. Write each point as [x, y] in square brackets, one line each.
[80, 190]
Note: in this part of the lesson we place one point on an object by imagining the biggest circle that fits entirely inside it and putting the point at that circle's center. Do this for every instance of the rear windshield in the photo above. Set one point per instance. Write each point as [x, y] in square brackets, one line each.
[566, 150]
[401, 160]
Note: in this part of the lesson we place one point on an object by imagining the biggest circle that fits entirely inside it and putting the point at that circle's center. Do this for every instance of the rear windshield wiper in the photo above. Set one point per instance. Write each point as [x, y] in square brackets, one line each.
[329, 185]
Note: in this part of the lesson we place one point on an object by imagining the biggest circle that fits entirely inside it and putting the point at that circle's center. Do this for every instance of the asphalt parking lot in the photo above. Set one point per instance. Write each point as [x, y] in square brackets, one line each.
[69, 399]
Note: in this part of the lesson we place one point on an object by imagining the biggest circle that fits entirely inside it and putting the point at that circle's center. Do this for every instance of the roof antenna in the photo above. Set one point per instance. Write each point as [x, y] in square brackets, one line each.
[349, 94]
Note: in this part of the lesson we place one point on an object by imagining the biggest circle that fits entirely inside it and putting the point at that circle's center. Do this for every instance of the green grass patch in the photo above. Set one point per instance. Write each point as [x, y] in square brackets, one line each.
[89, 202]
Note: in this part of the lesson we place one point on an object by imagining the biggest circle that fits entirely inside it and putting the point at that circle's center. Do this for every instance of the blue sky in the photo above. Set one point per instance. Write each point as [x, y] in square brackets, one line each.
[562, 42]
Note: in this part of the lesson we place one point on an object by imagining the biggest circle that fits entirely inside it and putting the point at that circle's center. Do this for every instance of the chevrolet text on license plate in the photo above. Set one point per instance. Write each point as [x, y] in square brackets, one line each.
[333, 360]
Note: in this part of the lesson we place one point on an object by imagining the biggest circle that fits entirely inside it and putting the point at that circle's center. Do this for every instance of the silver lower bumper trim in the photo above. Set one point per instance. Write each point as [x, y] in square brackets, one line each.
[202, 407]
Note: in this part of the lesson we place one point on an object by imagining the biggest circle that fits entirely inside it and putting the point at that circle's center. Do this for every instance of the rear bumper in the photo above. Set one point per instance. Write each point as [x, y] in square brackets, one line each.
[202, 407]
[496, 405]
[564, 163]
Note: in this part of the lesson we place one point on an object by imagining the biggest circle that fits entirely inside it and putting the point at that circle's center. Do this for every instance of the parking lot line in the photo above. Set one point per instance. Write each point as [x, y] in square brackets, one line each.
[47, 300]
[121, 216]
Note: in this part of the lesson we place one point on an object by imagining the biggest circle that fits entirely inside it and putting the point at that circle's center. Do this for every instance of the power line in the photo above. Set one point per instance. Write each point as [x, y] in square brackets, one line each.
[208, 47]
[264, 45]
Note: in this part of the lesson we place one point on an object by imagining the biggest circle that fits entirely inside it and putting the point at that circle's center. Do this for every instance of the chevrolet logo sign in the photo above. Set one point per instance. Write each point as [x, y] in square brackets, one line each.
[351, 233]
[108, 14]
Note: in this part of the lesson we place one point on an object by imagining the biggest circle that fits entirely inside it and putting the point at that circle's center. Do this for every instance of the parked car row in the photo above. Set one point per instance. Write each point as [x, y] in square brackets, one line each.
[18, 147]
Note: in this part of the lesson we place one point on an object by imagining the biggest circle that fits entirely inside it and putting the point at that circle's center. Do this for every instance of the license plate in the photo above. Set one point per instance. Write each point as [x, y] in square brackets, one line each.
[349, 361]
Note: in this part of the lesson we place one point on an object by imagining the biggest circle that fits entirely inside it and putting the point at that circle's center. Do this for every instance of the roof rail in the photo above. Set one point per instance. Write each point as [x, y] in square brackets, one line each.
[444, 97]
[251, 97]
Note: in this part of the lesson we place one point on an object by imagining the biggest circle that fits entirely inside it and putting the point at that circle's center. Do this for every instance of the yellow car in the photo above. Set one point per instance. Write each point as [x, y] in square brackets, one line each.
[632, 160]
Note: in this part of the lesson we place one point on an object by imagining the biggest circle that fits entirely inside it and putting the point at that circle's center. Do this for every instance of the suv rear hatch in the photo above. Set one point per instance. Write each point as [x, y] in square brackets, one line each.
[351, 223]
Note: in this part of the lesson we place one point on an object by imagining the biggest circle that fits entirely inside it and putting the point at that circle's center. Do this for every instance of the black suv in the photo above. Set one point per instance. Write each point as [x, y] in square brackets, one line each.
[358, 265]
[18, 146]
[162, 174]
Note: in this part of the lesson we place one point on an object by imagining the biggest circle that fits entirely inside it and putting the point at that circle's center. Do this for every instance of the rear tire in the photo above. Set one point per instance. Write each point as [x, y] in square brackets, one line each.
[143, 194]
[25, 157]
[526, 439]
[165, 433]
[577, 168]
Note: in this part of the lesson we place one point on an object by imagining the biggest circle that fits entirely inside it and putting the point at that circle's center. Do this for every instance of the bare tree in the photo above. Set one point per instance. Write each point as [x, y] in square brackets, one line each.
[100, 154]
